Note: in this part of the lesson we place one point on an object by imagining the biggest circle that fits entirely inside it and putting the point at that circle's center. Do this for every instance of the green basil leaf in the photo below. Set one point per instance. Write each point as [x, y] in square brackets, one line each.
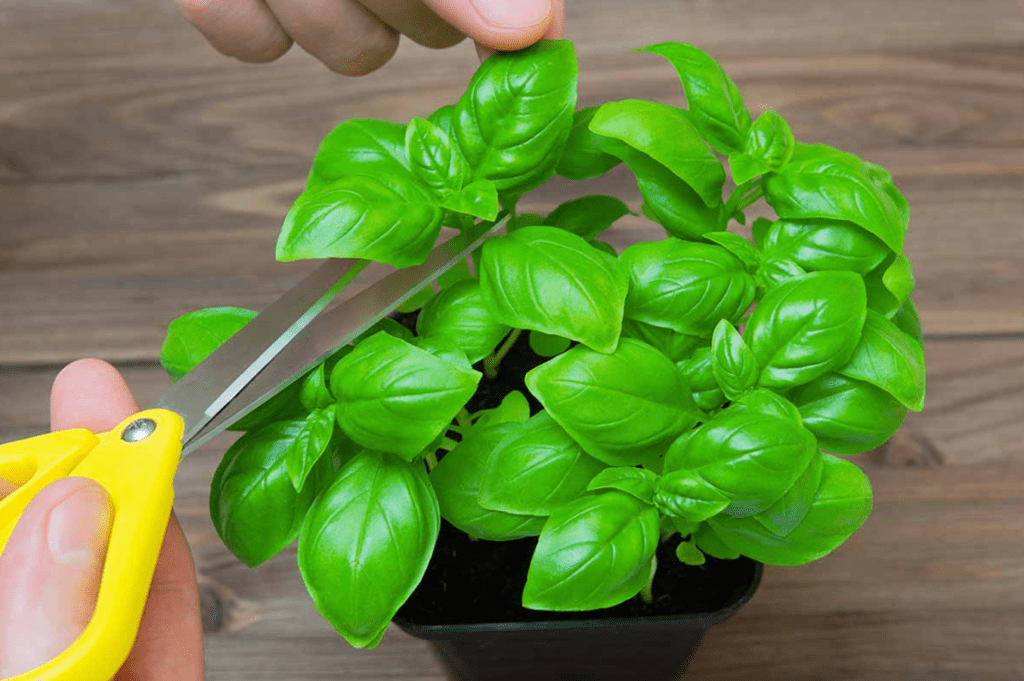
[786, 514]
[619, 406]
[806, 327]
[445, 349]
[309, 445]
[672, 526]
[604, 247]
[841, 505]
[523, 220]
[665, 134]
[582, 157]
[675, 346]
[281, 407]
[362, 217]
[437, 162]
[388, 326]
[588, 216]
[457, 479]
[816, 244]
[699, 372]
[738, 246]
[688, 553]
[668, 200]
[733, 363]
[848, 416]
[444, 118]
[890, 359]
[773, 272]
[759, 228]
[395, 397]
[253, 504]
[535, 469]
[750, 456]
[685, 286]
[461, 315]
[594, 552]
[313, 393]
[514, 408]
[898, 280]
[688, 497]
[514, 118]
[362, 146]
[766, 401]
[714, 100]
[454, 274]
[547, 279]
[416, 301]
[711, 544]
[546, 345]
[636, 481]
[479, 199]
[768, 146]
[823, 182]
[908, 321]
[192, 337]
[366, 542]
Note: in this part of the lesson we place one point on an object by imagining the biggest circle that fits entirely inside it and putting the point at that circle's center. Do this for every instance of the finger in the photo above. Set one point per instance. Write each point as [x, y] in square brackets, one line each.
[497, 24]
[555, 29]
[50, 573]
[243, 29]
[344, 35]
[169, 646]
[89, 393]
[415, 20]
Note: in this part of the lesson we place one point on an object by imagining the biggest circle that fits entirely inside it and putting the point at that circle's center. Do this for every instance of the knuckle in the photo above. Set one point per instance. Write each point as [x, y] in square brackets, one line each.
[366, 56]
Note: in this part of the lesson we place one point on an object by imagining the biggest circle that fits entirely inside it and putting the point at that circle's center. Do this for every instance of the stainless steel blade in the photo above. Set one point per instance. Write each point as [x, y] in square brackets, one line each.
[338, 327]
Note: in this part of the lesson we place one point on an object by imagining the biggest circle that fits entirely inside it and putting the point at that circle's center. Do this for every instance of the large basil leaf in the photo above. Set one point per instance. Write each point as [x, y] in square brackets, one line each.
[582, 157]
[817, 244]
[513, 120]
[786, 514]
[714, 100]
[461, 315]
[847, 416]
[890, 359]
[433, 157]
[665, 134]
[192, 337]
[685, 286]
[750, 456]
[806, 327]
[362, 146]
[587, 216]
[824, 182]
[668, 200]
[309, 445]
[358, 216]
[768, 146]
[841, 505]
[457, 479]
[535, 469]
[699, 372]
[395, 397]
[620, 406]
[366, 542]
[733, 363]
[253, 504]
[594, 552]
[547, 279]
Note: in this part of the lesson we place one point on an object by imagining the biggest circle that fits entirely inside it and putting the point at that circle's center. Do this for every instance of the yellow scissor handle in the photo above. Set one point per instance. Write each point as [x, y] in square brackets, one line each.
[138, 476]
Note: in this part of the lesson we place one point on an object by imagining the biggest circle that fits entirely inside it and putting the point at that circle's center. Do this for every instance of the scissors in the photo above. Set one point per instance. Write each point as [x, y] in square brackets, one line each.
[136, 461]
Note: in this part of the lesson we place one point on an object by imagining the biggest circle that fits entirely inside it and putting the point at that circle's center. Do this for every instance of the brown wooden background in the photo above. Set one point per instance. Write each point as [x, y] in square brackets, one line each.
[143, 175]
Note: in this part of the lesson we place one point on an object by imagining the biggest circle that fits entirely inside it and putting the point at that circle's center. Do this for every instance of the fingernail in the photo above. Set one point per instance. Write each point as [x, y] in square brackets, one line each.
[78, 529]
[514, 14]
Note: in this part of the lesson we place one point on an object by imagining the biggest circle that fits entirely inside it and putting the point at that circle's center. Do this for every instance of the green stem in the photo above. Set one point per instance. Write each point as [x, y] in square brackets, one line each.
[448, 443]
[744, 196]
[647, 593]
[493, 361]
[431, 461]
[464, 419]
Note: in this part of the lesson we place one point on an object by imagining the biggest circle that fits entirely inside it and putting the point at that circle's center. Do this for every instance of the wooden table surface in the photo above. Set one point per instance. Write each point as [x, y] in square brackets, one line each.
[142, 175]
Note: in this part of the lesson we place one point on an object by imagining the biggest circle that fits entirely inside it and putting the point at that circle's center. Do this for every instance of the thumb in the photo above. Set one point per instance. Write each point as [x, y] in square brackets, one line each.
[50, 573]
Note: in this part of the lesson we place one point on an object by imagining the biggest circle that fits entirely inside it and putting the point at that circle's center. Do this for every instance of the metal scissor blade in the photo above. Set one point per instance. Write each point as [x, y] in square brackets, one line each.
[338, 327]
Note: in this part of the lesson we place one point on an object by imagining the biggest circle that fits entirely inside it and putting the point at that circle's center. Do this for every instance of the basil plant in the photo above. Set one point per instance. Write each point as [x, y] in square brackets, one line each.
[702, 384]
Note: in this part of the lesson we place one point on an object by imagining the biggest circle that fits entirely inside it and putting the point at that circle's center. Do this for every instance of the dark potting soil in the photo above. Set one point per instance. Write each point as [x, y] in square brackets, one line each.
[479, 582]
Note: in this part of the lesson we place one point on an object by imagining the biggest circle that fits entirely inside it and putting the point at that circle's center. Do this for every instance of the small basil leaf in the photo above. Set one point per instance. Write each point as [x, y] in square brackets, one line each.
[594, 552]
[890, 359]
[773, 272]
[665, 134]
[786, 514]
[699, 373]
[309, 445]
[479, 199]
[759, 228]
[806, 327]
[366, 542]
[733, 363]
[444, 118]
[445, 349]
[817, 244]
[674, 525]
[619, 406]
[685, 286]
[908, 321]
[582, 157]
[361, 217]
[604, 247]
[192, 337]
[587, 216]
[313, 393]
[461, 315]
[688, 497]
[636, 481]
[253, 504]
[434, 159]
[457, 478]
[395, 397]
[768, 146]
[889, 285]
[823, 182]
[688, 553]
[535, 469]
[675, 346]
[713, 545]
[841, 505]
[281, 407]
[769, 402]
[738, 246]
[547, 279]
[514, 408]
[546, 345]
[388, 326]
[714, 100]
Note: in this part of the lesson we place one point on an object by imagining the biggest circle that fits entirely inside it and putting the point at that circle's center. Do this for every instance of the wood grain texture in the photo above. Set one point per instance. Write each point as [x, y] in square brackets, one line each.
[142, 176]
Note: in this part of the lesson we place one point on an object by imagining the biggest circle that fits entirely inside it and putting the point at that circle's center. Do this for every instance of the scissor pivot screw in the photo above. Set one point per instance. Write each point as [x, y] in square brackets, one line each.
[139, 429]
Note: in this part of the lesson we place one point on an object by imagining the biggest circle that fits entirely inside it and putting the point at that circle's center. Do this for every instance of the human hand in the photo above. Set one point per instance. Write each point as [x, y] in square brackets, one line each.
[50, 569]
[355, 37]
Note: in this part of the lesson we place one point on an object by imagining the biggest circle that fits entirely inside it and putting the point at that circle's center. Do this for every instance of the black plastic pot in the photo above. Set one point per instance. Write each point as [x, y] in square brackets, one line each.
[624, 649]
